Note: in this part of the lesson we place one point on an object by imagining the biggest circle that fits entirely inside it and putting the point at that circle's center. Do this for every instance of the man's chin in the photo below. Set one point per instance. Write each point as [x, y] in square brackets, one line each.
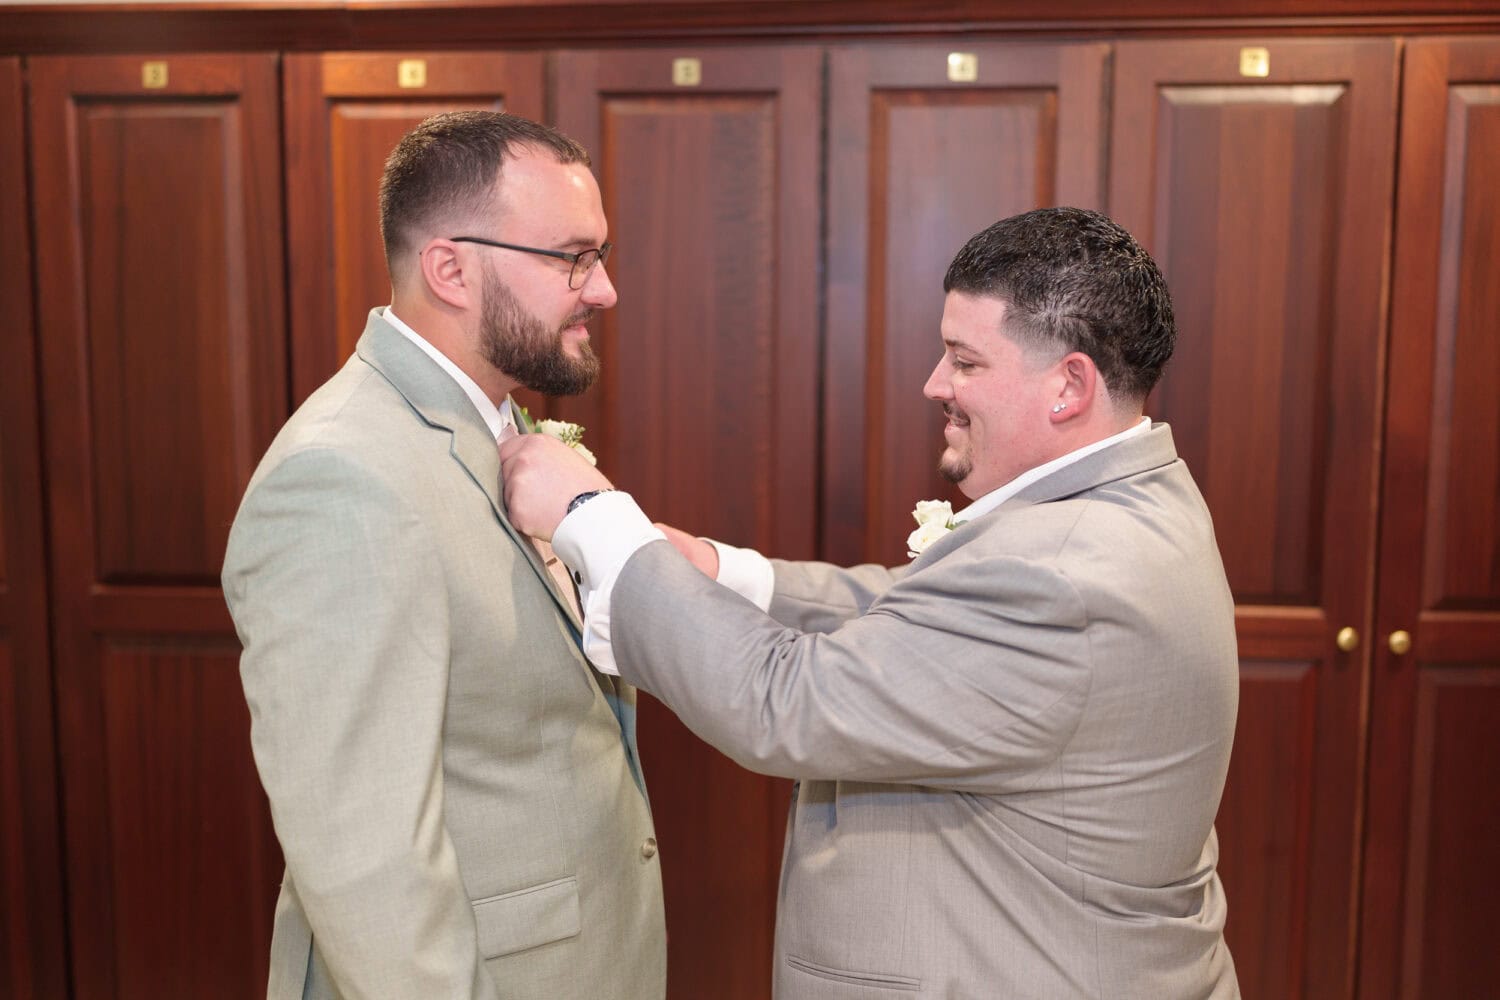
[575, 344]
[954, 468]
[566, 376]
[575, 386]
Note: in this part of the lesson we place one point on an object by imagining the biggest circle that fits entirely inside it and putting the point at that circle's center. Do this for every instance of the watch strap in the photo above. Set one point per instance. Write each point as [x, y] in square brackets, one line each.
[584, 498]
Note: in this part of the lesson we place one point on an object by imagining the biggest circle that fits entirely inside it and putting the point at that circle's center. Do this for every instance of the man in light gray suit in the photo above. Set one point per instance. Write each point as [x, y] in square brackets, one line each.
[455, 789]
[1011, 751]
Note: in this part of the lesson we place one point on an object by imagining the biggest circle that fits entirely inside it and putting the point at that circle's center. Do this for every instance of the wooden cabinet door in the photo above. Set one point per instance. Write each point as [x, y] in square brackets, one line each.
[1432, 851]
[32, 960]
[344, 113]
[160, 314]
[1259, 176]
[921, 157]
[706, 409]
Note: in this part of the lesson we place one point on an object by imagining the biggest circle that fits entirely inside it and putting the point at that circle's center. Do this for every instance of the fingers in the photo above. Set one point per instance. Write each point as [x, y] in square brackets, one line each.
[539, 475]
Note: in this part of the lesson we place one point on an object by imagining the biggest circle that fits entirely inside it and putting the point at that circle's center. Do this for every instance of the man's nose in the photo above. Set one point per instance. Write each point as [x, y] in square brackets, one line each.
[598, 291]
[938, 387]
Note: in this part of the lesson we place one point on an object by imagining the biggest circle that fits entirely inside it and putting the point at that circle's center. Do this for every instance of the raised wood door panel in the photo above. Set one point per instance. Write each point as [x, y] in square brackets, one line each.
[163, 353]
[33, 962]
[1266, 200]
[706, 410]
[918, 163]
[344, 113]
[1432, 850]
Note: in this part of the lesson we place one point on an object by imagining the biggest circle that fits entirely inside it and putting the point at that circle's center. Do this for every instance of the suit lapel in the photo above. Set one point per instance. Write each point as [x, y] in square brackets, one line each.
[441, 402]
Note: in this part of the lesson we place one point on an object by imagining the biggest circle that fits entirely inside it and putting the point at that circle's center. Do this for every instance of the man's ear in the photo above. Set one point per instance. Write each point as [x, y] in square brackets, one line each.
[443, 273]
[1080, 387]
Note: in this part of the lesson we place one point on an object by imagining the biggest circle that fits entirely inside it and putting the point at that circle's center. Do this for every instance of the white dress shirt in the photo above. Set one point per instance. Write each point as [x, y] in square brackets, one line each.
[598, 538]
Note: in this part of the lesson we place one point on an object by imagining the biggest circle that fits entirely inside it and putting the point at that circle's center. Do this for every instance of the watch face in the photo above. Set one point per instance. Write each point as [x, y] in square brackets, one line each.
[581, 499]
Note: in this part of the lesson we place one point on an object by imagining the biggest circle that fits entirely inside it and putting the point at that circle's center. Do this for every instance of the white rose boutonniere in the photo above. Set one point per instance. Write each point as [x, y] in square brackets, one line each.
[569, 434]
[934, 520]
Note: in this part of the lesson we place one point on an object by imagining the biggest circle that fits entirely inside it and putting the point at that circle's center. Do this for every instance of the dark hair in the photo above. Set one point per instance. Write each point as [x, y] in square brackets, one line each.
[1074, 280]
[451, 162]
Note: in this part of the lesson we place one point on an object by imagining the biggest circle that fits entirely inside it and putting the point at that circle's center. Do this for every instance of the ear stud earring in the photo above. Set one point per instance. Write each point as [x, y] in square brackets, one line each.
[1059, 407]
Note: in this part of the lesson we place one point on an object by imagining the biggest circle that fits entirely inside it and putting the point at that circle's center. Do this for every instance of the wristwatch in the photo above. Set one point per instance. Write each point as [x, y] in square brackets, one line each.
[584, 498]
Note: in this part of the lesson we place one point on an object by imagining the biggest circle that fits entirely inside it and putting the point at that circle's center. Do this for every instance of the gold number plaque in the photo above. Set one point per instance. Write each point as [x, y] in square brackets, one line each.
[411, 73]
[687, 72]
[153, 75]
[963, 67]
[1255, 61]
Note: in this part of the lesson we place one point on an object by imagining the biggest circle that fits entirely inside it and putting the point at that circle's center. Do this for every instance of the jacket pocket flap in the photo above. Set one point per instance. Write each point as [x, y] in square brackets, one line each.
[527, 918]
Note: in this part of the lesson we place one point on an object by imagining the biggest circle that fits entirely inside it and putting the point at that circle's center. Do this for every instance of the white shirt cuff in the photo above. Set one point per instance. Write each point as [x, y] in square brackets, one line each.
[747, 573]
[595, 542]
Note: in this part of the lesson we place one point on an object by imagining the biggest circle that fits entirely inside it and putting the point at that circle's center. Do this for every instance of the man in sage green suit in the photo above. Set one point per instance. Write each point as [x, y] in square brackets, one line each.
[1010, 750]
[455, 789]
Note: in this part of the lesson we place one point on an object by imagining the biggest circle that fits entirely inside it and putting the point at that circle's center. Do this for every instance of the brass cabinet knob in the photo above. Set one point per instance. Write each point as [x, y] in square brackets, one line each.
[1347, 640]
[1400, 641]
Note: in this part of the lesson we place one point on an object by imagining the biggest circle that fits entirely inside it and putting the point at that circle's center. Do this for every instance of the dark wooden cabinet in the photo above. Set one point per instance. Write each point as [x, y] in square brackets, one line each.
[32, 961]
[344, 113]
[1432, 837]
[707, 408]
[920, 157]
[192, 244]
[160, 308]
[1266, 200]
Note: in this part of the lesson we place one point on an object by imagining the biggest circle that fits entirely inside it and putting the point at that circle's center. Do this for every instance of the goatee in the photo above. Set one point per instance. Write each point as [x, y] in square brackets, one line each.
[954, 466]
[955, 469]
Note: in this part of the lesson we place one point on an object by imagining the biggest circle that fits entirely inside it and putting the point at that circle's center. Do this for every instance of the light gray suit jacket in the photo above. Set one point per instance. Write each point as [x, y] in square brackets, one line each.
[1011, 752]
[454, 787]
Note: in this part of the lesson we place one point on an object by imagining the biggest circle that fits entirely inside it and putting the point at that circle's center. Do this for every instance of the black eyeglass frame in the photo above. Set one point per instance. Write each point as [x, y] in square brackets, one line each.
[575, 279]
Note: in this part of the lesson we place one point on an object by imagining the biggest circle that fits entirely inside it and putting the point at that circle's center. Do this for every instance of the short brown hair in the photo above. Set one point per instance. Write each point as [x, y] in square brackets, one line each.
[452, 161]
[1072, 280]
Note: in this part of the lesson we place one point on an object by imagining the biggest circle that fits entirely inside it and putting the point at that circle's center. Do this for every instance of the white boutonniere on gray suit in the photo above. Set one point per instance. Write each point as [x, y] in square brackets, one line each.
[934, 520]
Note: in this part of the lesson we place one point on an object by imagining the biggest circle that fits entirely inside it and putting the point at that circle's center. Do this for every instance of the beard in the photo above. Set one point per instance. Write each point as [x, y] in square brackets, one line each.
[521, 346]
[955, 466]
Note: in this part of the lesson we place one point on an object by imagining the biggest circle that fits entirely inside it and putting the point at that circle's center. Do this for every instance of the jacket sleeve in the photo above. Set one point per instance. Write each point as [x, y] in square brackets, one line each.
[819, 597]
[341, 608]
[967, 676]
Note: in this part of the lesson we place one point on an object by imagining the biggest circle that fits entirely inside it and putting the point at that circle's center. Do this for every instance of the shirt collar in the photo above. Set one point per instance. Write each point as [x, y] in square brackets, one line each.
[496, 418]
[994, 498]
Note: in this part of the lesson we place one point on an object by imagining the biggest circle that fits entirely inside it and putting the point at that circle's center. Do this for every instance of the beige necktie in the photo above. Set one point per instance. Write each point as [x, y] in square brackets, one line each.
[559, 573]
[544, 549]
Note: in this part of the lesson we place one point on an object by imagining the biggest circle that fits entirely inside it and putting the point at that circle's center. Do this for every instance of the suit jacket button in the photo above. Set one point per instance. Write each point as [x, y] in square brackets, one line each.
[648, 848]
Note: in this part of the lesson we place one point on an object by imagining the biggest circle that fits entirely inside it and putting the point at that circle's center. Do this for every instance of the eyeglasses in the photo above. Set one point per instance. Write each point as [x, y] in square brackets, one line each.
[583, 261]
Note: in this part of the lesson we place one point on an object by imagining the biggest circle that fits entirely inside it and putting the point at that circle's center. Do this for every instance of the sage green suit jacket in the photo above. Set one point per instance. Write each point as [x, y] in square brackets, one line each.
[455, 789]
